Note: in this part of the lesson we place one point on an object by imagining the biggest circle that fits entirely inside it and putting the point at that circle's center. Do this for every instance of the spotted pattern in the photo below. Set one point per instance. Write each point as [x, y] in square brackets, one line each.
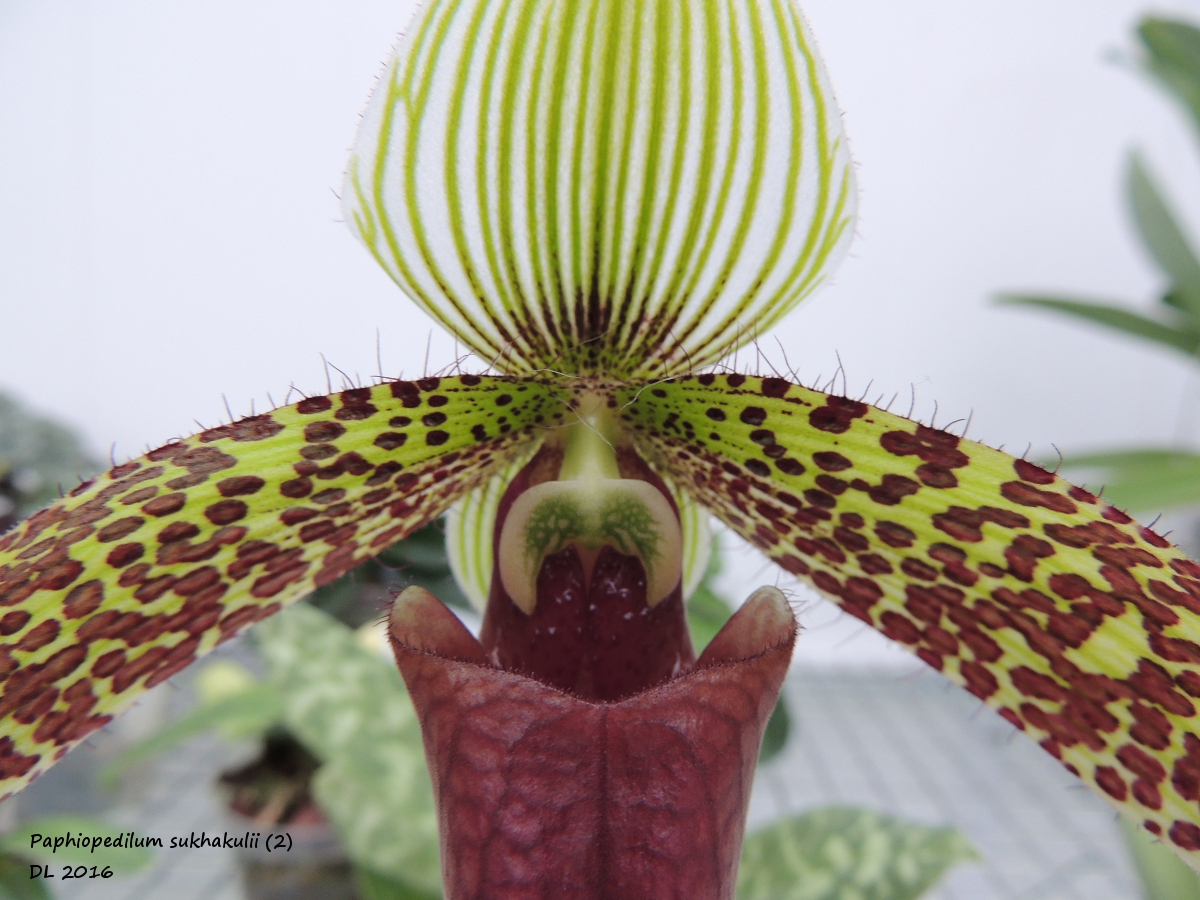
[137, 573]
[1080, 626]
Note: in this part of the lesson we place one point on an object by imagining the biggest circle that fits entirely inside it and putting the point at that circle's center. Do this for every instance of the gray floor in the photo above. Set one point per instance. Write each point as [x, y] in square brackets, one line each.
[920, 748]
[912, 746]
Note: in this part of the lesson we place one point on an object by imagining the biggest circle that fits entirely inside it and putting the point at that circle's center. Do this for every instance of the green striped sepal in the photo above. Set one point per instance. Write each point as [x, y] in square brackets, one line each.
[135, 574]
[1080, 626]
[625, 188]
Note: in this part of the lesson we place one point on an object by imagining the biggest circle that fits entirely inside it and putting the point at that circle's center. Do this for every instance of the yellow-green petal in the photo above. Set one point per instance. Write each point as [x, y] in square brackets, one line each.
[1079, 625]
[135, 574]
[627, 188]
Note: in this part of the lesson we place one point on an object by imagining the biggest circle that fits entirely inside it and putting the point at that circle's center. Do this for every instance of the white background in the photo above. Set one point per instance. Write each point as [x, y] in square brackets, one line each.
[169, 233]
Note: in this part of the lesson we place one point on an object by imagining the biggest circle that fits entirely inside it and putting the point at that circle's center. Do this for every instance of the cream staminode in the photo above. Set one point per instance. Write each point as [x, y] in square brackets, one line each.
[590, 506]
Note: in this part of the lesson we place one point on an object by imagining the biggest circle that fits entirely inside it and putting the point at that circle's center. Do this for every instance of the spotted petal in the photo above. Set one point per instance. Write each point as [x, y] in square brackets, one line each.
[622, 187]
[1080, 626]
[118, 586]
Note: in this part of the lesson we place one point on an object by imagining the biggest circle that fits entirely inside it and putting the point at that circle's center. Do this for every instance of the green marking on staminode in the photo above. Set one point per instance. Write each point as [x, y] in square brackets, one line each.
[552, 525]
[631, 528]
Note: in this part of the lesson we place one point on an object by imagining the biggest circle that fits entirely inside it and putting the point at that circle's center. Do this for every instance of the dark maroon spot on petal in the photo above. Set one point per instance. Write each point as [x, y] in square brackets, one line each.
[758, 467]
[13, 622]
[1027, 471]
[253, 428]
[1112, 784]
[383, 472]
[177, 531]
[318, 451]
[753, 415]
[1026, 495]
[59, 576]
[432, 420]
[1142, 764]
[317, 530]
[83, 600]
[763, 437]
[831, 461]
[918, 569]
[436, 438]
[296, 515]
[438, 400]
[1185, 835]
[138, 496]
[774, 387]
[225, 511]
[504, 400]
[895, 535]
[239, 485]
[204, 460]
[898, 628]
[165, 505]
[874, 564]
[150, 591]
[405, 390]
[321, 432]
[715, 413]
[296, 487]
[892, 489]
[479, 432]
[39, 637]
[936, 476]
[429, 384]
[329, 495]
[836, 415]
[391, 440]
[789, 466]
[313, 405]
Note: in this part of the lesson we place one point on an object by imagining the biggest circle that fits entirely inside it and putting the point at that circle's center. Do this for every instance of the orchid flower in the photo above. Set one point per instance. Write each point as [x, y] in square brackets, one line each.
[603, 200]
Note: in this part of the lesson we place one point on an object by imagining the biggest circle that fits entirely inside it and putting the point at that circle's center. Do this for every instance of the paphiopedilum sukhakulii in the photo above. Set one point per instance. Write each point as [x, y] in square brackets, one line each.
[602, 199]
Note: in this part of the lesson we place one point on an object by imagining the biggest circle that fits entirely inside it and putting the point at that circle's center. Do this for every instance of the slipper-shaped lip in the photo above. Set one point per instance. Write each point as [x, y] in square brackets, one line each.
[545, 793]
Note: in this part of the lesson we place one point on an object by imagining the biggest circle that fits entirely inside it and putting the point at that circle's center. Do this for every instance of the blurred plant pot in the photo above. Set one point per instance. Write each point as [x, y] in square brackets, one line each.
[271, 795]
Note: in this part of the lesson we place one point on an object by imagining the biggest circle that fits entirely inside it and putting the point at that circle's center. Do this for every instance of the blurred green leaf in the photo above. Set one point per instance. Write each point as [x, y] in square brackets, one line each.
[707, 612]
[837, 853]
[418, 559]
[1174, 300]
[1164, 238]
[373, 886]
[247, 713]
[779, 728]
[15, 883]
[348, 705]
[1146, 480]
[1173, 56]
[38, 456]
[122, 859]
[1164, 875]
[1127, 321]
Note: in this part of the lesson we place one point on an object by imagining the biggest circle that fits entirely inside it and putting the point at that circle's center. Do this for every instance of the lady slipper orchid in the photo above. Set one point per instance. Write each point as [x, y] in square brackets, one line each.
[602, 199]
